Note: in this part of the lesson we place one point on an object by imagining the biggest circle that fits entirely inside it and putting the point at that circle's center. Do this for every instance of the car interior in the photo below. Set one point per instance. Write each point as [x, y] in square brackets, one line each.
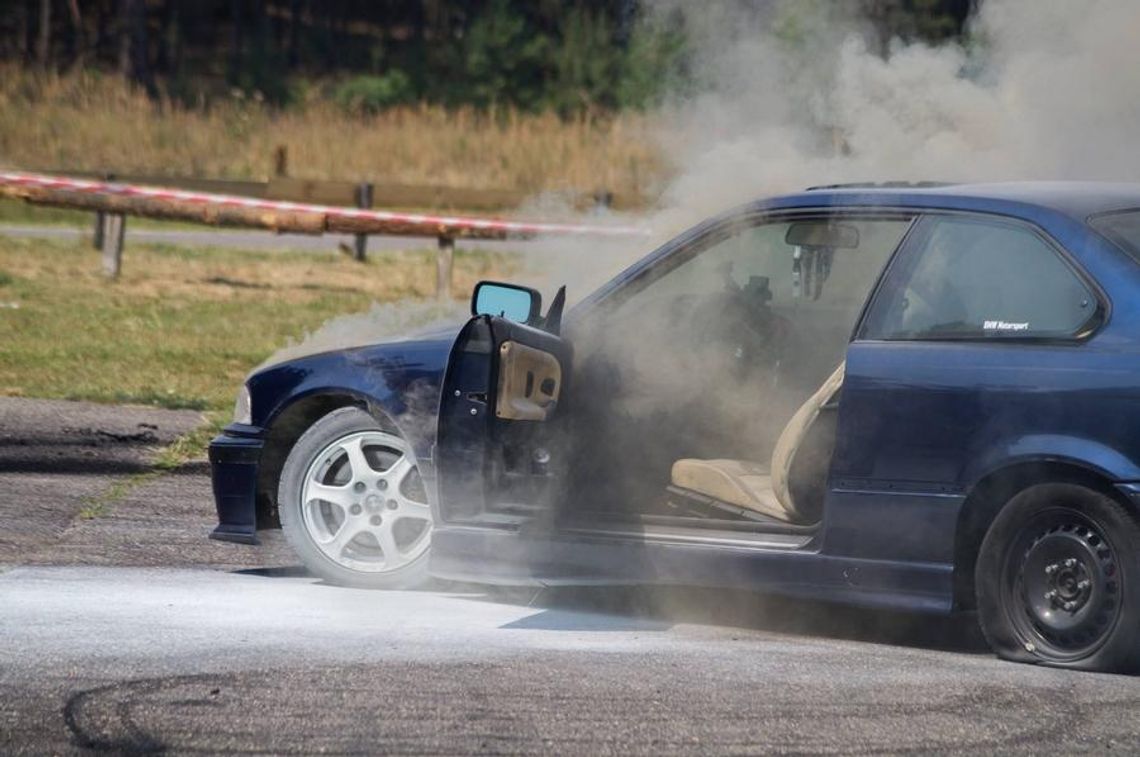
[708, 396]
[748, 489]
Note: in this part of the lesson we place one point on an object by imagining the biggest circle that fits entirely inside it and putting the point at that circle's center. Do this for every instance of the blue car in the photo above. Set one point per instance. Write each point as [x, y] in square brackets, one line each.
[920, 397]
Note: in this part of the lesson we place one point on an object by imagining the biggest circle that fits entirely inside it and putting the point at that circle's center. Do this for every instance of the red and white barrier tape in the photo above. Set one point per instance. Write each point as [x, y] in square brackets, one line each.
[520, 228]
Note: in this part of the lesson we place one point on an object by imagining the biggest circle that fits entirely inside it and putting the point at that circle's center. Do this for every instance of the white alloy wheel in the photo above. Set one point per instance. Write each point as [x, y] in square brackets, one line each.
[352, 503]
[355, 508]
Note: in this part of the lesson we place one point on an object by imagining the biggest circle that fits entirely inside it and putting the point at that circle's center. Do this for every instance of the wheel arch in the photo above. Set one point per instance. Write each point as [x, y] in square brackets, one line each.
[993, 490]
[287, 426]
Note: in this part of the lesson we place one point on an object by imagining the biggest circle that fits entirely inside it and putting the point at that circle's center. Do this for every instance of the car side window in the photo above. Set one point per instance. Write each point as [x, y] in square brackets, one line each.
[773, 302]
[971, 278]
[759, 261]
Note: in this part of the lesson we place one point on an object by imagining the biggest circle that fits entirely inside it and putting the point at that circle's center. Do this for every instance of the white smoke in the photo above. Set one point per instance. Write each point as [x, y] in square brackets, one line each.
[792, 96]
[1050, 89]
[383, 322]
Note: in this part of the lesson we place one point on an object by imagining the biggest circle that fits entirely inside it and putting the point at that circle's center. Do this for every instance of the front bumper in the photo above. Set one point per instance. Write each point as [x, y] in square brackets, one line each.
[234, 456]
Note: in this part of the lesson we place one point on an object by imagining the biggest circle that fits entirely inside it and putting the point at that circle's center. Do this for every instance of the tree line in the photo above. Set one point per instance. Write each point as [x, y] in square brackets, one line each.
[584, 55]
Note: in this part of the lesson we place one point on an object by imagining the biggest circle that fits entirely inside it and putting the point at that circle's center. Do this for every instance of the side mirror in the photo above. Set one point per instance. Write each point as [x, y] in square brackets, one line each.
[516, 303]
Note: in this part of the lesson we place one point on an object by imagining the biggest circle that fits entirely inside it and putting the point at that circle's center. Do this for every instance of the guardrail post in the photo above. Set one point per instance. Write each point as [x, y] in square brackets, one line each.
[97, 236]
[100, 222]
[281, 161]
[444, 260]
[363, 200]
[114, 230]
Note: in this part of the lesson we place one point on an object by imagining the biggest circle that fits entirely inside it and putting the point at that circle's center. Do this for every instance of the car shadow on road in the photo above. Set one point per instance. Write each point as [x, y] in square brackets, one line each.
[660, 608]
[555, 619]
[284, 571]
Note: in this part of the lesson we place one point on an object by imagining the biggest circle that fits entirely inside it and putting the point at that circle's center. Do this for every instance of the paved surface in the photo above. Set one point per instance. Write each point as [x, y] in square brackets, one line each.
[147, 660]
[56, 457]
[61, 461]
[227, 648]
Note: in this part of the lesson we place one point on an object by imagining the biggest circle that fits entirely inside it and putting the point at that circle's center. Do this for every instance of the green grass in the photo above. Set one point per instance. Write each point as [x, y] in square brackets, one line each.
[192, 444]
[183, 327]
[18, 212]
[98, 505]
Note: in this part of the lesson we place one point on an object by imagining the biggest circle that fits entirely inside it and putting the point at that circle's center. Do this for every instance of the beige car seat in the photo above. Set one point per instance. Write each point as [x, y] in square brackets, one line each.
[752, 485]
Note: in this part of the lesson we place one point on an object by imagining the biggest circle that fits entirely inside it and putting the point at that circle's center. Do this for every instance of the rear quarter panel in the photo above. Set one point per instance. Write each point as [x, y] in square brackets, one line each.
[926, 421]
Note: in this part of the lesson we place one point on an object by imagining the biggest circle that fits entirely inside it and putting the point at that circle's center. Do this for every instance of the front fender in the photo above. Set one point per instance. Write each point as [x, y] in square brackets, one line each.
[400, 381]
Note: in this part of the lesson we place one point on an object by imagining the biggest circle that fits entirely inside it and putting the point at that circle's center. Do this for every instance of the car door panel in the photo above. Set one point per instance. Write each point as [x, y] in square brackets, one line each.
[498, 447]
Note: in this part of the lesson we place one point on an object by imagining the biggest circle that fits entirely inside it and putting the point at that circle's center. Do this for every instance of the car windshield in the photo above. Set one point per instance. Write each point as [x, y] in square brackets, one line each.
[1123, 228]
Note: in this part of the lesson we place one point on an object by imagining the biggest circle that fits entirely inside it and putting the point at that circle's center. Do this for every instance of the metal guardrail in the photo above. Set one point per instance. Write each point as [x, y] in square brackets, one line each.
[383, 194]
[112, 201]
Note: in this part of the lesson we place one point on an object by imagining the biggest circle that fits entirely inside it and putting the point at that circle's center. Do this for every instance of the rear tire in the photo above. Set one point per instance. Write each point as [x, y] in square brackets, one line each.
[1058, 580]
[353, 506]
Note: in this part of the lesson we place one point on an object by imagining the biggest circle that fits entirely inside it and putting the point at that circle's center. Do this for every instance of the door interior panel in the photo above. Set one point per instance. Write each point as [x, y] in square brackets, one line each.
[499, 442]
[529, 383]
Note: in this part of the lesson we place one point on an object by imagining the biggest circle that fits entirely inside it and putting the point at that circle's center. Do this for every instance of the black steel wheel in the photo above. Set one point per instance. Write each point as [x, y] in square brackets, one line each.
[1056, 580]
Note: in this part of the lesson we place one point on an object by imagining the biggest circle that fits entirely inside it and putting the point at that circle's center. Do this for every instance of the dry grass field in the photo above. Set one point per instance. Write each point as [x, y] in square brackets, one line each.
[89, 121]
[182, 327]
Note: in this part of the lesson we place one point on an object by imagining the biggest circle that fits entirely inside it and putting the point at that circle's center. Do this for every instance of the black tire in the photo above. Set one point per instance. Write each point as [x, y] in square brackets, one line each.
[1058, 580]
[361, 564]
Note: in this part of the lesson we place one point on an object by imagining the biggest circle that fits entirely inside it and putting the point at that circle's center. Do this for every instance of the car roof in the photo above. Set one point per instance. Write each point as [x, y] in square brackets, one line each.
[1077, 199]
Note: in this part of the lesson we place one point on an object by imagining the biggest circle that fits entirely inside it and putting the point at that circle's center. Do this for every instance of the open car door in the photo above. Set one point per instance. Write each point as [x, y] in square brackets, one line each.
[500, 446]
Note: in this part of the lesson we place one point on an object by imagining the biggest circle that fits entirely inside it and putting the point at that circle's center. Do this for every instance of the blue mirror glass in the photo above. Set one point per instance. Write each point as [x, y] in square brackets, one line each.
[514, 303]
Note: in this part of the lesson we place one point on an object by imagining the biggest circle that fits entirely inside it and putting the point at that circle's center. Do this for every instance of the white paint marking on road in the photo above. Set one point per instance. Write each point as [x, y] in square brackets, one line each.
[87, 613]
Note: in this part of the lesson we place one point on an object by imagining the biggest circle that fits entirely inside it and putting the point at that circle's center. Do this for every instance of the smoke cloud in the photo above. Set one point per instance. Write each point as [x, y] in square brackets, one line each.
[1045, 89]
[792, 95]
[796, 93]
[1049, 89]
[387, 322]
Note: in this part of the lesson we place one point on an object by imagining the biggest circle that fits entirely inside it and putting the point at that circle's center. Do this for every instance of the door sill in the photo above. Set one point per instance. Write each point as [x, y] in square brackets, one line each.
[657, 533]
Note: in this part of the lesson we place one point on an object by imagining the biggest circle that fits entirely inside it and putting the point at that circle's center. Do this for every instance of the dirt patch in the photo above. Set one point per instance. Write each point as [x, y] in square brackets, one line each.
[80, 487]
[56, 436]
[164, 521]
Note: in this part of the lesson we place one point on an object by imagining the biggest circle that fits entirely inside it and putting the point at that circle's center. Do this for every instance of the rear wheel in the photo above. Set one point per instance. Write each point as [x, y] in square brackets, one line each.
[353, 506]
[1058, 580]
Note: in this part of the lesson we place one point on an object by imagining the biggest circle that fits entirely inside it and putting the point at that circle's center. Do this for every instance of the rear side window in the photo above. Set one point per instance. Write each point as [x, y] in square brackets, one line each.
[970, 278]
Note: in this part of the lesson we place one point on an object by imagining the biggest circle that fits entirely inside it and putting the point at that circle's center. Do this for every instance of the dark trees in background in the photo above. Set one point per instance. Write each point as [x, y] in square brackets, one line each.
[43, 42]
[569, 56]
[910, 20]
[134, 41]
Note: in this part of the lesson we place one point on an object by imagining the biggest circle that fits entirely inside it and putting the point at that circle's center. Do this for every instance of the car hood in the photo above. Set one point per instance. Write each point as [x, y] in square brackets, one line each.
[349, 342]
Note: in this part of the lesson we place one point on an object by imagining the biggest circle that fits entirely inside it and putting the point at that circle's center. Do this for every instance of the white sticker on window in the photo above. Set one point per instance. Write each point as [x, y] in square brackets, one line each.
[1004, 326]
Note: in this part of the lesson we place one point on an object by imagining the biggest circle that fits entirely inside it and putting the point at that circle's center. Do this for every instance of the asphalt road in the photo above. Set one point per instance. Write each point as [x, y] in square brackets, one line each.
[128, 632]
[182, 660]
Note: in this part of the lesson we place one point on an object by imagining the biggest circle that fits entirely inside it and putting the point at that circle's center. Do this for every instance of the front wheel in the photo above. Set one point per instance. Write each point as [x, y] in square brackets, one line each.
[353, 506]
[1058, 580]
